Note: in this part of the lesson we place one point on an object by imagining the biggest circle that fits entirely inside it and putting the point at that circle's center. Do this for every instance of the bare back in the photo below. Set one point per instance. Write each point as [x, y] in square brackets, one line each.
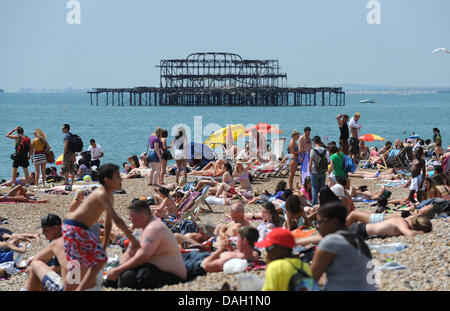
[92, 207]
[389, 227]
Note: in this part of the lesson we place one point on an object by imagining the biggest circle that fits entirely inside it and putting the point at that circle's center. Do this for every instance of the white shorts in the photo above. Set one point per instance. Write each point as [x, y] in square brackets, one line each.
[415, 182]
[179, 154]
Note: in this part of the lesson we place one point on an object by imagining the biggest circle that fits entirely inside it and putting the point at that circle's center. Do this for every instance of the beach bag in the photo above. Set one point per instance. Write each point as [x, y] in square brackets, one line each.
[301, 281]
[49, 155]
[349, 165]
[322, 163]
[75, 143]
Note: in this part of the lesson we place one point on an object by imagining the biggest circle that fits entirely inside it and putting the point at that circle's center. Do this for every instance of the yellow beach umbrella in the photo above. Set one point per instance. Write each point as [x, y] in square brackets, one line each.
[220, 136]
[370, 137]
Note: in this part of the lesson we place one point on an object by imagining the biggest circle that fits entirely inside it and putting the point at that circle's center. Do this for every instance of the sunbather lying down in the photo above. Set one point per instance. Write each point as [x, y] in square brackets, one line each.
[213, 169]
[67, 189]
[13, 245]
[396, 226]
[8, 235]
[370, 195]
[390, 174]
[20, 195]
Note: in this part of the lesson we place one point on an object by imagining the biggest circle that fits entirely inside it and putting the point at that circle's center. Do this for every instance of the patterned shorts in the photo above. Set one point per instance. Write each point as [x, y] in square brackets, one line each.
[81, 244]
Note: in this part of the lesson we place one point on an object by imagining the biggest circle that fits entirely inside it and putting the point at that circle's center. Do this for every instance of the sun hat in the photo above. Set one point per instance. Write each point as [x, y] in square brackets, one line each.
[278, 236]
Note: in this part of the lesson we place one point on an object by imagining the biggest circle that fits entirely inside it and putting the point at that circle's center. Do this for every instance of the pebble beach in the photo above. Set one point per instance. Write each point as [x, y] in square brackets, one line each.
[426, 256]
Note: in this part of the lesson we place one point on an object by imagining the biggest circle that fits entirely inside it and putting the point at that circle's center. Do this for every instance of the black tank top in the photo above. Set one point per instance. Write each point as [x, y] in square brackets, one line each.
[344, 131]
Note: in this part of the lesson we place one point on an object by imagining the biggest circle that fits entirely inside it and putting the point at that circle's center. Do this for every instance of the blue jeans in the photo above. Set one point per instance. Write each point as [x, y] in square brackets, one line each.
[317, 183]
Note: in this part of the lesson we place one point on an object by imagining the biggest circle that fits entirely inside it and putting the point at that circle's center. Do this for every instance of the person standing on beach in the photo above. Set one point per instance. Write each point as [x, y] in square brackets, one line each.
[293, 161]
[318, 170]
[37, 152]
[166, 156]
[180, 151]
[22, 147]
[305, 149]
[68, 166]
[96, 153]
[344, 133]
[155, 156]
[81, 245]
[354, 139]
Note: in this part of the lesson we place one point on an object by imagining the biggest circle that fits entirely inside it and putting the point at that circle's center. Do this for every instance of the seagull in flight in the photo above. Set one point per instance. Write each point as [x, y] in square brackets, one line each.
[441, 50]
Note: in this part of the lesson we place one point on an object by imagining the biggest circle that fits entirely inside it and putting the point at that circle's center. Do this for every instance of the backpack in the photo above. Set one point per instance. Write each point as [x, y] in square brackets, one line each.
[75, 143]
[322, 163]
[24, 145]
[301, 281]
[349, 165]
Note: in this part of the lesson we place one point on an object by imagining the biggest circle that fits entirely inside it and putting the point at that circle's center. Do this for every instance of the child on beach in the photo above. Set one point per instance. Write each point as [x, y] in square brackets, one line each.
[81, 244]
[167, 208]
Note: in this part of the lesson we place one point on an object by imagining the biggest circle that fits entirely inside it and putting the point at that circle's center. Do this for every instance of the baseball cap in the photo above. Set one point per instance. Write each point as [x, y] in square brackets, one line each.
[278, 236]
[338, 190]
[49, 221]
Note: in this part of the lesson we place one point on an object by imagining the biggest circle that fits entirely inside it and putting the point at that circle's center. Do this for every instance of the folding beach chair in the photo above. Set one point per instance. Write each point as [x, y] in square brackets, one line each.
[277, 146]
[392, 159]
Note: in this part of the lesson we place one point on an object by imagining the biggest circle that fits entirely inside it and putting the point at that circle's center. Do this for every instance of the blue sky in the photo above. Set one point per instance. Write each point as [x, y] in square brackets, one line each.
[318, 42]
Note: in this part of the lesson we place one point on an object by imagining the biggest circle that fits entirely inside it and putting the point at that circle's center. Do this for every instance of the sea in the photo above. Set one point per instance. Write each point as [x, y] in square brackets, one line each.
[124, 130]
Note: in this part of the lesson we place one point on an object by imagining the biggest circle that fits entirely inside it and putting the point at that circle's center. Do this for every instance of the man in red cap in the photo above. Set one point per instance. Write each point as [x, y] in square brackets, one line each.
[282, 264]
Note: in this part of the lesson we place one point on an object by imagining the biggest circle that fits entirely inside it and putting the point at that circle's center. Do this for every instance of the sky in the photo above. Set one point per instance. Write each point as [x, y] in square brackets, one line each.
[318, 42]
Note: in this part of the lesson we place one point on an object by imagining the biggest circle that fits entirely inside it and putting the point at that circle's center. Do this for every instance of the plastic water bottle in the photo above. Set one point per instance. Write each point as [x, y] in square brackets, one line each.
[388, 248]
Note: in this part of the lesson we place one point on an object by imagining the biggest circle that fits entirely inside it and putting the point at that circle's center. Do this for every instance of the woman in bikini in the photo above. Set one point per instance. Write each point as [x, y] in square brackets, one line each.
[241, 175]
[293, 161]
[228, 185]
[19, 194]
[213, 169]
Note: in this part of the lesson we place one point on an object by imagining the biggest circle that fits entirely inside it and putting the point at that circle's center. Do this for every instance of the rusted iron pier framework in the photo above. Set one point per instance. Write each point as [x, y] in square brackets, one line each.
[220, 79]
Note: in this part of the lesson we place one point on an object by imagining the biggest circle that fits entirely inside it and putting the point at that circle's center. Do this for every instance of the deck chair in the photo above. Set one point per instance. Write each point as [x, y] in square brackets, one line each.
[392, 159]
[277, 146]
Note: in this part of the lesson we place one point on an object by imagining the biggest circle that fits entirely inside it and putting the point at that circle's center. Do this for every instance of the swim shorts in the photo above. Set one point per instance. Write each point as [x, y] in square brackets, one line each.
[21, 160]
[376, 218]
[81, 244]
[68, 165]
[415, 183]
[53, 282]
[359, 228]
[354, 145]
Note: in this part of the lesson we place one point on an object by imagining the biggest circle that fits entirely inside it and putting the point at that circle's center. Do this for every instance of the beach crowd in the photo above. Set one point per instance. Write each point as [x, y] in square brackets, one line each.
[311, 236]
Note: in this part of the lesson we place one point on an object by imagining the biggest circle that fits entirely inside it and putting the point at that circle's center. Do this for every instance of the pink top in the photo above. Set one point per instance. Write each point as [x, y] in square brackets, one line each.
[306, 194]
[374, 153]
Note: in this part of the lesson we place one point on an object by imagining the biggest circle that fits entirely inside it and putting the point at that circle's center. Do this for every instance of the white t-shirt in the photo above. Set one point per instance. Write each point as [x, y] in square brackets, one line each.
[95, 152]
[338, 190]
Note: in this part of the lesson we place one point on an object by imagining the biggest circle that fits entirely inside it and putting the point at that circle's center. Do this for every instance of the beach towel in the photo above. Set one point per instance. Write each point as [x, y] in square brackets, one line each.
[303, 159]
[302, 233]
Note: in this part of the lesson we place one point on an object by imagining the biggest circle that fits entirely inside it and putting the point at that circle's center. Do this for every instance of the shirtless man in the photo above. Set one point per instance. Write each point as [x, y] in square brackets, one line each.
[418, 174]
[19, 194]
[81, 244]
[394, 227]
[354, 137]
[46, 278]
[304, 152]
[224, 232]
[371, 218]
[157, 262]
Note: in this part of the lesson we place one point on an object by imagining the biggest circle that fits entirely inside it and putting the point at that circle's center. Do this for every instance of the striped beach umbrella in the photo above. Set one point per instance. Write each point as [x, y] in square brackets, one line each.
[59, 160]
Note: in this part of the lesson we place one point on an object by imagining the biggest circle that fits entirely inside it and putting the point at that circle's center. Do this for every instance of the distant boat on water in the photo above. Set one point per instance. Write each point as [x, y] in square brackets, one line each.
[1, 91]
[369, 101]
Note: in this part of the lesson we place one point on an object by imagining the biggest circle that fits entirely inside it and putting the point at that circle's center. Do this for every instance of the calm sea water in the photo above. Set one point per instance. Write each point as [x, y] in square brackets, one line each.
[123, 131]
